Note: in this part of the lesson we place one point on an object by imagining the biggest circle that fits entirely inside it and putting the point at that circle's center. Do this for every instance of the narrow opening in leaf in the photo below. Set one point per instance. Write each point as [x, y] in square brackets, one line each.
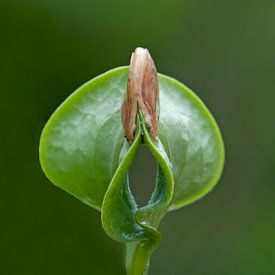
[142, 175]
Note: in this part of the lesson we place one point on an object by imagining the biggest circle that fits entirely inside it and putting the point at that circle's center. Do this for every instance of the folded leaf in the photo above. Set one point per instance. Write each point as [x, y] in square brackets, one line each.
[81, 143]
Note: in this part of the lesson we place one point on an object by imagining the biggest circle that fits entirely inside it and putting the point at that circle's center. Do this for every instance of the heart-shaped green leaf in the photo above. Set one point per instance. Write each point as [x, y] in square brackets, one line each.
[81, 143]
[83, 151]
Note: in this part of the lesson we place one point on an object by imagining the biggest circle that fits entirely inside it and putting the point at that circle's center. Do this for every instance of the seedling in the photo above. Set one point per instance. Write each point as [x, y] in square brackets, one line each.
[90, 141]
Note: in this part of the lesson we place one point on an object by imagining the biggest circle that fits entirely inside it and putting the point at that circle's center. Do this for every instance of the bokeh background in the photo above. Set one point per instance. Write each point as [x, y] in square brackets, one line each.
[224, 50]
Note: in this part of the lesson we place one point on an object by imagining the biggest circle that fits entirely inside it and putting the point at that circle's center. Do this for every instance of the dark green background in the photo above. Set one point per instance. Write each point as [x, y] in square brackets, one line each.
[224, 50]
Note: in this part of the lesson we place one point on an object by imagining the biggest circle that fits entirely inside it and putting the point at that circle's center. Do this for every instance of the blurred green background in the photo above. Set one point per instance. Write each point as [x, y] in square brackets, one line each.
[224, 50]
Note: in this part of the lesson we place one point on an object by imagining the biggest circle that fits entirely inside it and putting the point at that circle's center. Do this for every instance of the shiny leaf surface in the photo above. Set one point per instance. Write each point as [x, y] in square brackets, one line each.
[81, 143]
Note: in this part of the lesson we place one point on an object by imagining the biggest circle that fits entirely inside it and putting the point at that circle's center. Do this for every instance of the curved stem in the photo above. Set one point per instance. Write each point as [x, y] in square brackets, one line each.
[138, 257]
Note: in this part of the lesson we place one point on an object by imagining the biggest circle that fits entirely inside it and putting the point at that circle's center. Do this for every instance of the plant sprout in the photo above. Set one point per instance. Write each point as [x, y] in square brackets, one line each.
[91, 140]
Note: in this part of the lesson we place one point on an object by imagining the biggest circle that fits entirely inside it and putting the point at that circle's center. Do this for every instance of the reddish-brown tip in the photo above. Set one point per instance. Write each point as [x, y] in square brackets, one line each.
[142, 94]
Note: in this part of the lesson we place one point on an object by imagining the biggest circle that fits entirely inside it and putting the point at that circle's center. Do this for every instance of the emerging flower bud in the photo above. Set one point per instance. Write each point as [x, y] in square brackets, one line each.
[142, 94]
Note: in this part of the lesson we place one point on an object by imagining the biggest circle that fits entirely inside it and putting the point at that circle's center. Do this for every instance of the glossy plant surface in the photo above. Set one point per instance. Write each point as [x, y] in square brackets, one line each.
[84, 152]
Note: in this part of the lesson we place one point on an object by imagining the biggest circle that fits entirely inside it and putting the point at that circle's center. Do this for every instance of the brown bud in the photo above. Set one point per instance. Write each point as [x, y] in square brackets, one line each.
[142, 94]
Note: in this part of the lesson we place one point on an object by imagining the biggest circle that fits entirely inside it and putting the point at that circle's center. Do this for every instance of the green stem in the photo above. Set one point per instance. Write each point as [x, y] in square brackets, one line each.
[138, 257]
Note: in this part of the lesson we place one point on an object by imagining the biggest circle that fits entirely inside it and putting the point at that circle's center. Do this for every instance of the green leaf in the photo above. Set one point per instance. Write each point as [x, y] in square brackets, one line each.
[83, 151]
[81, 143]
[119, 195]
[122, 219]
